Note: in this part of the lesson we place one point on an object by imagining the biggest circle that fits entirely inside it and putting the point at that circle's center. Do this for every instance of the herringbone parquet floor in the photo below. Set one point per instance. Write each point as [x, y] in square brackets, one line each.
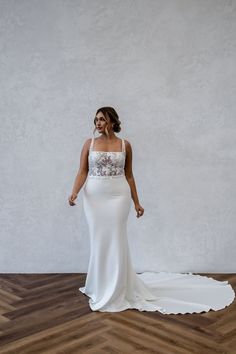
[47, 314]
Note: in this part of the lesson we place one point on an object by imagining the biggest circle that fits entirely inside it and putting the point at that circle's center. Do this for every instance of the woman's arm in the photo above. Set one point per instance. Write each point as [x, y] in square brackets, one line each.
[129, 173]
[83, 169]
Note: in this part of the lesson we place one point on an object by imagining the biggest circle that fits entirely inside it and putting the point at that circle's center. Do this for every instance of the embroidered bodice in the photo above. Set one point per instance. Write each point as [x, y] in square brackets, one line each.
[106, 163]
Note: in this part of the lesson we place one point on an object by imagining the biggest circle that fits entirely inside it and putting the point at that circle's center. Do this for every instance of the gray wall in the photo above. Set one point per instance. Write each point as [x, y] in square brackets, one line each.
[168, 67]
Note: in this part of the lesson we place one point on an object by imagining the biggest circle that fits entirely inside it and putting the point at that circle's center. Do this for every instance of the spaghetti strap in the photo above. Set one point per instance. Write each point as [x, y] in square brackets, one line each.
[123, 145]
[91, 144]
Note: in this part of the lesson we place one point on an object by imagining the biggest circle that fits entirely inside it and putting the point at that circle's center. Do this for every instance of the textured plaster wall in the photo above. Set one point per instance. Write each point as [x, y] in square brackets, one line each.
[168, 67]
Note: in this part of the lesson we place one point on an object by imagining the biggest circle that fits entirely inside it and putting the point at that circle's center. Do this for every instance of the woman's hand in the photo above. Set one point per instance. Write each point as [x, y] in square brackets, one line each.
[71, 199]
[139, 210]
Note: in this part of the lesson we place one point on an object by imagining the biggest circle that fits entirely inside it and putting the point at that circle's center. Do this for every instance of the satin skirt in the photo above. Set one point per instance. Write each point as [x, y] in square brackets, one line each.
[112, 285]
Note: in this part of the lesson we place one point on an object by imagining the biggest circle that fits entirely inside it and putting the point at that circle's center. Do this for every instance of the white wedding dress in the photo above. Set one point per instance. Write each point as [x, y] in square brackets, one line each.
[111, 283]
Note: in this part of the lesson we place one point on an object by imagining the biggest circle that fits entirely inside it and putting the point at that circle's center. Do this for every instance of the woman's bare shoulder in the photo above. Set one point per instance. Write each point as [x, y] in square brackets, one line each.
[127, 143]
[87, 143]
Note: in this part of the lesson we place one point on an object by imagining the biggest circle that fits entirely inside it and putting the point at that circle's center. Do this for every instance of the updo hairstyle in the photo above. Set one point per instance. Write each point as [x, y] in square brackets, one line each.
[110, 111]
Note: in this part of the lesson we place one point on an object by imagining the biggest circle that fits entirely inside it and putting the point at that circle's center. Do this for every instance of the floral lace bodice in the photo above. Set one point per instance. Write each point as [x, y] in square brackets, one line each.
[106, 163]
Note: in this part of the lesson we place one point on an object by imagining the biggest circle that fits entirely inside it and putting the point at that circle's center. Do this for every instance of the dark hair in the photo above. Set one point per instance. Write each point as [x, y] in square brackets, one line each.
[110, 111]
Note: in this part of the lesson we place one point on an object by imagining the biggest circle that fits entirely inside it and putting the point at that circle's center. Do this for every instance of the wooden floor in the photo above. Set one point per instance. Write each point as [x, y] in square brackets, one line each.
[46, 313]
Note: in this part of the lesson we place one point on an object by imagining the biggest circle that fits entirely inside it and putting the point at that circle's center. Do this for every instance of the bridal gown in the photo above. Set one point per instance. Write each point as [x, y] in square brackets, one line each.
[111, 283]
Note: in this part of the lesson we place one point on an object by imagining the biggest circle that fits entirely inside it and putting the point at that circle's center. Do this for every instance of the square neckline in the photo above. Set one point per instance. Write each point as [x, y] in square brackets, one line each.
[116, 152]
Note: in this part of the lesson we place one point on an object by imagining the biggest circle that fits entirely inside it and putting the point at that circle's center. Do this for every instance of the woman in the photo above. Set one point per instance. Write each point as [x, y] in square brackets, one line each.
[112, 284]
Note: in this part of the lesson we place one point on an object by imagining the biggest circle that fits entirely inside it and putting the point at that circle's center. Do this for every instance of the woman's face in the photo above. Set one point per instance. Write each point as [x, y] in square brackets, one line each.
[101, 122]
